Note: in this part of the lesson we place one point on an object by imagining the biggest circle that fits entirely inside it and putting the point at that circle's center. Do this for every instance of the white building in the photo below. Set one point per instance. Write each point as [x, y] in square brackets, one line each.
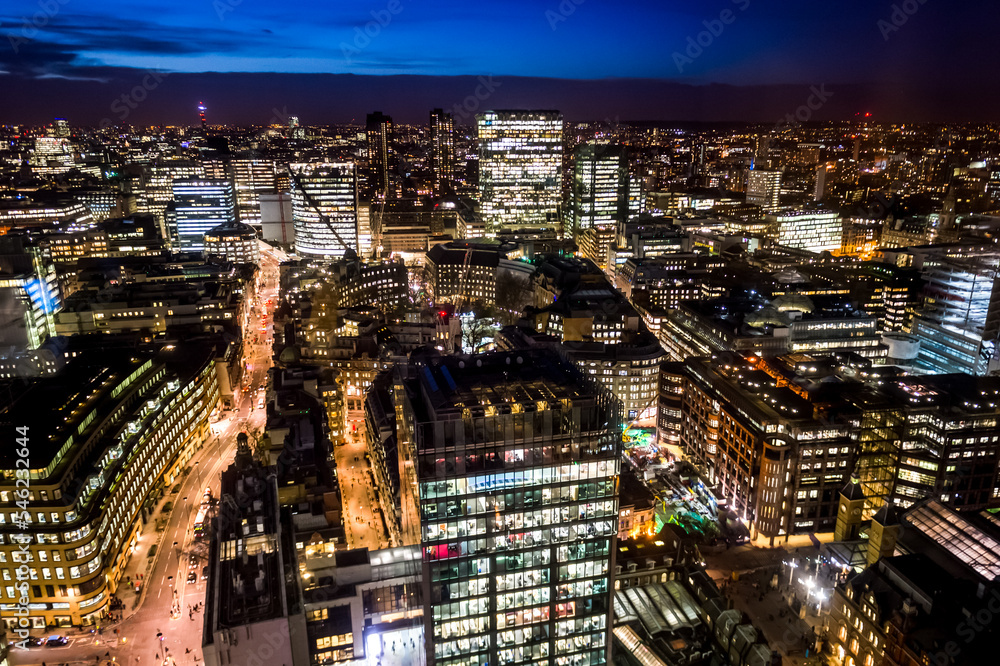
[812, 230]
[325, 208]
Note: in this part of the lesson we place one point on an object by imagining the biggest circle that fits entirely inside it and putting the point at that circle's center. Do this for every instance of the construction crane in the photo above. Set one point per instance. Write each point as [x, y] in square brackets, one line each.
[376, 227]
[463, 280]
[312, 204]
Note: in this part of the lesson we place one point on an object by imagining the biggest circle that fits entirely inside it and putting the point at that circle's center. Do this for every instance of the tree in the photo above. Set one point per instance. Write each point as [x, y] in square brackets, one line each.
[512, 296]
[478, 326]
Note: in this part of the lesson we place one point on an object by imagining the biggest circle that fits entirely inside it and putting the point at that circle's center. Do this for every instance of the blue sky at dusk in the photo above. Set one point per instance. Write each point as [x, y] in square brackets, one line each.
[766, 42]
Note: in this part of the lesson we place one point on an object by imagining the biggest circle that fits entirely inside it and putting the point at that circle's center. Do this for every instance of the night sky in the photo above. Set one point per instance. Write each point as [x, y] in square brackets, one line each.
[718, 60]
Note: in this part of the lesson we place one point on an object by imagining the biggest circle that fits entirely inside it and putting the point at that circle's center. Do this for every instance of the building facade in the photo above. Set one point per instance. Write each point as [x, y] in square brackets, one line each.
[516, 456]
[442, 152]
[233, 242]
[325, 208]
[520, 169]
[199, 206]
[105, 437]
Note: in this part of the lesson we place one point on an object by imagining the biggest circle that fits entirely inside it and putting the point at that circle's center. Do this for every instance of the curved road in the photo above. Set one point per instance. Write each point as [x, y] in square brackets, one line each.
[148, 613]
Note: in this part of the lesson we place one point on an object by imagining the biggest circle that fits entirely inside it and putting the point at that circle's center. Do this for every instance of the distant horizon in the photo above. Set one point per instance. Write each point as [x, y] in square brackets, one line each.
[124, 96]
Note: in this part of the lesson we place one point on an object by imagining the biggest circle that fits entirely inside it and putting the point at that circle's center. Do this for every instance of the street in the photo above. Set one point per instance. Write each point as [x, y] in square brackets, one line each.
[364, 527]
[164, 576]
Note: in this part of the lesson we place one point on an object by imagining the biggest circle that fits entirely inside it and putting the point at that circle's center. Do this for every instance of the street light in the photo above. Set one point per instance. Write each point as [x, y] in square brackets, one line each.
[820, 597]
[792, 566]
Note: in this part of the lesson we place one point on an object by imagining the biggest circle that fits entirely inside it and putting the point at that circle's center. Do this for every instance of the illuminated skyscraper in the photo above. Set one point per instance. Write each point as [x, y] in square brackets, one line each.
[200, 206]
[324, 208]
[520, 169]
[959, 323]
[156, 189]
[442, 151]
[379, 132]
[514, 488]
[201, 114]
[764, 189]
[600, 186]
[251, 178]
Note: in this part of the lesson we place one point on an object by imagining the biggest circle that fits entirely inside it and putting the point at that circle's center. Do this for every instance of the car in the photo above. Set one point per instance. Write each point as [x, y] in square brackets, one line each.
[56, 641]
[192, 577]
[193, 562]
[34, 641]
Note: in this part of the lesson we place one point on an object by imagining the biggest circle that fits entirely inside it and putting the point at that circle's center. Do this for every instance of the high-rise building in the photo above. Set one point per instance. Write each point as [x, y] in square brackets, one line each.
[959, 323]
[251, 178]
[514, 463]
[250, 557]
[812, 230]
[324, 208]
[52, 155]
[379, 131]
[764, 189]
[442, 151]
[155, 191]
[29, 294]
[520, 169]
[200, 206]
[761, 152]
[600, 187]
[276, 217]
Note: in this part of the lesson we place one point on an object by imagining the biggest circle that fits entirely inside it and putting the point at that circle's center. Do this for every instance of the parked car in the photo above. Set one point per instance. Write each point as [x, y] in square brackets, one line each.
[192, 577]
[56, 641]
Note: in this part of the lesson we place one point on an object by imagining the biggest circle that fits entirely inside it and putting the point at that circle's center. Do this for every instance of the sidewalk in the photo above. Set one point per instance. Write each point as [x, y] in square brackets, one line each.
[139, 563]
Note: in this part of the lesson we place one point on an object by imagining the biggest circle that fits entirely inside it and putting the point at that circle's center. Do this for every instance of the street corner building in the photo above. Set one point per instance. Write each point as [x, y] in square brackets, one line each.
[513, 463]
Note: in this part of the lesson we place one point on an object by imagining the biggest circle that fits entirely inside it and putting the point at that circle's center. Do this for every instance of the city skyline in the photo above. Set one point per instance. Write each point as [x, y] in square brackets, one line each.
[555, 333]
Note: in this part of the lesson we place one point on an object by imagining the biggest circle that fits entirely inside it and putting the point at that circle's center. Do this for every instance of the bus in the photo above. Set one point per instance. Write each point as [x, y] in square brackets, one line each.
[199, 522]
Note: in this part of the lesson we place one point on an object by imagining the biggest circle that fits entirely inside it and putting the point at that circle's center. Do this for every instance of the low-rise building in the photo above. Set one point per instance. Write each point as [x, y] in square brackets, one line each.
[233, 241]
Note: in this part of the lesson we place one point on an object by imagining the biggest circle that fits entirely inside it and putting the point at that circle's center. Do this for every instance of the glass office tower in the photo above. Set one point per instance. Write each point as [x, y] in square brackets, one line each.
[442, 151]
[200, 205]
[324, 208]
[379, 130]
[600, 186]
[517, 458]
[520, 169]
